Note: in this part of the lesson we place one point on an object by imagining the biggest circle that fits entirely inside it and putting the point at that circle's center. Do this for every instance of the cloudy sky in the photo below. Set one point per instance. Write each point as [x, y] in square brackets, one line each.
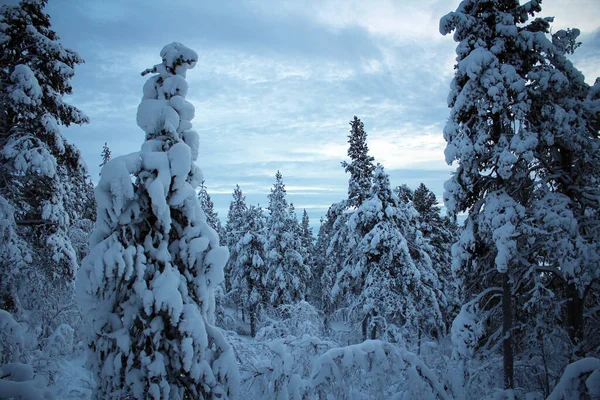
[278, 82]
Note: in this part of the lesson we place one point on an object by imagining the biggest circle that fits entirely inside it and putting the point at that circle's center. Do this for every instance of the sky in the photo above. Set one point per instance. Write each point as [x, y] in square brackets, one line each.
[277, 83]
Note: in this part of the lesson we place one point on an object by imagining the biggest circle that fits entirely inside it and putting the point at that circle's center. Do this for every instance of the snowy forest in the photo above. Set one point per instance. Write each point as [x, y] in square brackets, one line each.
[130, 286]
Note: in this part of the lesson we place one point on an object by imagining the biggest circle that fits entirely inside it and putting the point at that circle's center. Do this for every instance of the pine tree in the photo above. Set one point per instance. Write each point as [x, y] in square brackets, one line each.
[361, 165]
[287, 275]
[146, 288]
[250, 267]
[515, 103]
[105, 155]
[566, 112]
[207, 205]
[488, 103]
[43, 178]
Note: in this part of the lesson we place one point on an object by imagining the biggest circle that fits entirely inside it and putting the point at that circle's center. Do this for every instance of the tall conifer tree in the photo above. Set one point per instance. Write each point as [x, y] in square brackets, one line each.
[360, 166]
[43, 177]
[146, 288]
[212, 217]
[508, 129]
[287, 275]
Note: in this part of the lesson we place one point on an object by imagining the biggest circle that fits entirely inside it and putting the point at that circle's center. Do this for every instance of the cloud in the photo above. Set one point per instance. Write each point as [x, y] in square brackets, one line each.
[277, 83]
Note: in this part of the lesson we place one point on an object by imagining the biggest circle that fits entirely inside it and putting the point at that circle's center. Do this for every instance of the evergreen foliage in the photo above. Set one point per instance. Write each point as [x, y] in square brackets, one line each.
[387, 276]
[519, 109]
[287, 274]
[146, 288]
[233, 234]
[105, 155]
[43, 185]
[360, 166]
[249, 277]
[207, 205]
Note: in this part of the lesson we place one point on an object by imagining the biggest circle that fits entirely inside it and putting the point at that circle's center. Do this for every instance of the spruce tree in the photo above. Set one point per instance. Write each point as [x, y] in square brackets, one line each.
[233, 233]
[439, 233]
[337, 250]
[307, 238]
[43, 178]
[207, 205]
[319, 261]
[487, 104]
[250, 267]
[387, 278]
[146, 288]
[404, 193]
[360, 166]
[287, 275]
[361, 169]
[105, 155]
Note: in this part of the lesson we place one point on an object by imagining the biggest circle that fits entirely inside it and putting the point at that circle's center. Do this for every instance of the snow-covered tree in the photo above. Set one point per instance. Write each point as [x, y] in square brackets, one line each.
[207, 205]
[233, 234]
[249, 273]
[519, 113]
[335, 230]
[360, 166]
[404, 193]
[287, 275]
[566, 113]
[307, 239]
[386, 281]
[439, 233]
[43, 178]
[146, 288]
[105, 155]
[488, 106]
[319, 261]
[361, 170]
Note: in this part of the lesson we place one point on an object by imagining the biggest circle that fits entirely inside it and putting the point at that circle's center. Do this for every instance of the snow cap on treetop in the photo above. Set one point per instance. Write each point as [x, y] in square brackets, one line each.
[176, 59]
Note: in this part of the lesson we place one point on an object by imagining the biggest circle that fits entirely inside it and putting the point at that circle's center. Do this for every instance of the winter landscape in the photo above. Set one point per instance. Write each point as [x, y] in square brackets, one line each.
[142, 255]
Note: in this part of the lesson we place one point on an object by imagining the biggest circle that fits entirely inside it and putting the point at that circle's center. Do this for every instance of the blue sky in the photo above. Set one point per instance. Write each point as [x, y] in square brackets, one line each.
[278, 82]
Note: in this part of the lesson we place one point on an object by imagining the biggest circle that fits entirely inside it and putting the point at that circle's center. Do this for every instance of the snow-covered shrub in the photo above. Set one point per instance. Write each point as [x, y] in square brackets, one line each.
[60, 343]
[18, 381]
[374, 369]
[280, 368]
[11, 338]
[580, 380]
[79, 235]
[296, 319]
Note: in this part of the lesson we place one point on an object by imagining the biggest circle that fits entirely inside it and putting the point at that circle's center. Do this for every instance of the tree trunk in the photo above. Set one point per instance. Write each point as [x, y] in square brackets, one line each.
[574, 314]
[374, 327]
[253, 323]
[507, 333]
[365, 325]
